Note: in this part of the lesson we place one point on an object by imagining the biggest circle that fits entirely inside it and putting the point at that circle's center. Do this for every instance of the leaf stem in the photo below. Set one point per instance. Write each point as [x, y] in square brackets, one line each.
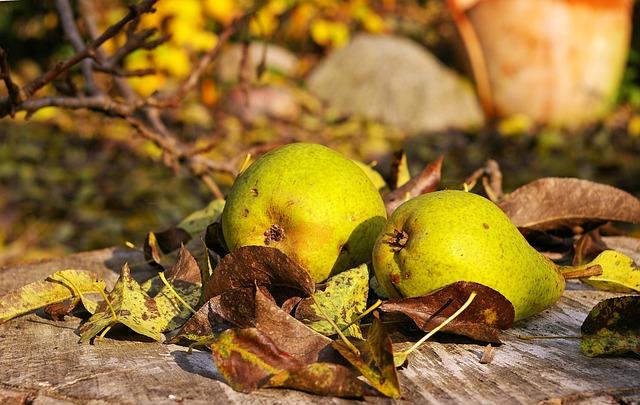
[336, 328]
[106, 300]
[104, 332]
[464, 306]
[73, 286]
[166, 283]
[365, 313]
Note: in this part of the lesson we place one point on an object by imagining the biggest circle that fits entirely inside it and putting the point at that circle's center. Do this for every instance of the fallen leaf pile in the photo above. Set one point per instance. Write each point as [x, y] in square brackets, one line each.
[268, 325]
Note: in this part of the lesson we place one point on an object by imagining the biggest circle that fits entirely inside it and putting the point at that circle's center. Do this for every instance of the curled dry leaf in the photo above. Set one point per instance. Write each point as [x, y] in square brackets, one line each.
[246, 358]
[427, 181]
[489, 312]
[159, 243]
[236, 277]
[249, 360]
[491, 177]
[258, 265]
[560, 203]
[343, 299]
[322, 379]
[302, 343]
[587, 247]
[375, 360]
[612, 328]
[214, 239]
[202, 325]
[58, 287]
[185, 270]
[619, 273]
[59, 310]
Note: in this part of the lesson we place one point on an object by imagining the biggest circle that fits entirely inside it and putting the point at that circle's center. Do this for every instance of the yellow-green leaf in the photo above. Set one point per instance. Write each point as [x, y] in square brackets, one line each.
[197, 221]
[58, 287]
[129, 305]
[183, 284]
[400, 174]
[619, 273]
[343, 299]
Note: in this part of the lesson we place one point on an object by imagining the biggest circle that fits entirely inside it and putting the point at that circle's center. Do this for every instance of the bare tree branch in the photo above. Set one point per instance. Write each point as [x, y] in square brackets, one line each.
[99, 103]
[125, 73]
[145, 115]
[90, 51]
[70, 28]
[12, 88]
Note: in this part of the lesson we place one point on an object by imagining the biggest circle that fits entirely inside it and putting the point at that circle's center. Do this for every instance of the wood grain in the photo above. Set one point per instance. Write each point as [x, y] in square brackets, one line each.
[42, 363]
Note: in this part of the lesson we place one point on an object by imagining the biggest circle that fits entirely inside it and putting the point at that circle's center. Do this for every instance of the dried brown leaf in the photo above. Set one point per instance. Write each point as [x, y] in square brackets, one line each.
[214, 239]
[587, 247]
[301, 342]
[612, 328]
[249, 266]
[203, 324]
[427, 181]
[489, 312]
[561, 203]
[185, 271]
[236, 306]
[327, 379]
[247, 358]
[374, 360]
[59, 310]
[158, 243]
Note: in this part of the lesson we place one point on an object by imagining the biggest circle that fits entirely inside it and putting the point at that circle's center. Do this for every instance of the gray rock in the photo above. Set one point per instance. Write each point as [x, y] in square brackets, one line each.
[396, 81]
[277, 59]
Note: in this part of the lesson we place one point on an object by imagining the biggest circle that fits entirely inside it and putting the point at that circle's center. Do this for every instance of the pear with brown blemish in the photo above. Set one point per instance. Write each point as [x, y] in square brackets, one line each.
[309, 201]
[439, 238]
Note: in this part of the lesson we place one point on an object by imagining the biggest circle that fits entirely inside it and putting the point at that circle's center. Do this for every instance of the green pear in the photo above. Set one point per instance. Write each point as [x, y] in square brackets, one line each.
[439, 238]
[312, 203]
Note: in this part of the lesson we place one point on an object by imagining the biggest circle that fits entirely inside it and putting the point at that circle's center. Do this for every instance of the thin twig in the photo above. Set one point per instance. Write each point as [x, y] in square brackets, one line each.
[135, 11]
[70, 28]
[125, 73]
[101, 103]
[12, 88]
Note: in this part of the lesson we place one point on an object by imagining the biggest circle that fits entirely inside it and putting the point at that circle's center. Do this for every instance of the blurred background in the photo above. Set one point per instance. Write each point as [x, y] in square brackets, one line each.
[544, 87]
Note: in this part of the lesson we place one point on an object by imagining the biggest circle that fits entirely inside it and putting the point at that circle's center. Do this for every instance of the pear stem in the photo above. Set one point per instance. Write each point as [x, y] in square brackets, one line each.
[464, 306]
[574, 272]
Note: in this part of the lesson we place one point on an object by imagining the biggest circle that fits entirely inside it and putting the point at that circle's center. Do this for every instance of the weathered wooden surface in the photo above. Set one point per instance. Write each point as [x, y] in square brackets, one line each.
[42, 363]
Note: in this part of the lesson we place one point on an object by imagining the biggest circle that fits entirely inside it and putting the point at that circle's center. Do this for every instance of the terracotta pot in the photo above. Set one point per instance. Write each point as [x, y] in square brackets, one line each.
[556, 61]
